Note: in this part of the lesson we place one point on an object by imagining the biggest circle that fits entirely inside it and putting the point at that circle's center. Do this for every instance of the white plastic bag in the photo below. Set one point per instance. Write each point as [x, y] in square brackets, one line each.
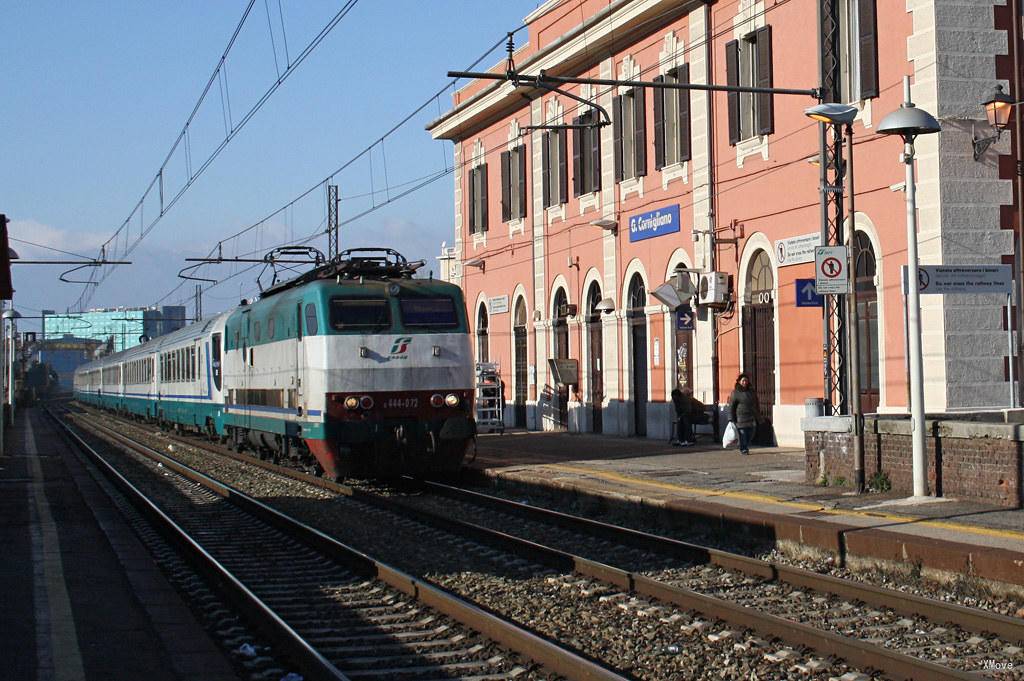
[731, 436]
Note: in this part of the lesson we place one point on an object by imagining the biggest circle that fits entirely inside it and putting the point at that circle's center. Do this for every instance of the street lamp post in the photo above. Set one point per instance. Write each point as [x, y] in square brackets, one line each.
[10, 315]
[908, 122]
[844, 115]
[998, 106]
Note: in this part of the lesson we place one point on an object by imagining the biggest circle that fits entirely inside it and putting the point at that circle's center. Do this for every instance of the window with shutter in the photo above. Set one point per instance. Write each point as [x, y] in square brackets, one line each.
[732, 78]
[545, 168]
[471, 195]
[659, 123]
[483, 197]
[858, 50]
[563, 167]
[577, 156]
[748, 63]
[765, 106]
[506, 186]
[629, 122]
[521, 194]
[478, 199]
[513, 184]
[639, 132]
[672, 119]
[867, 24]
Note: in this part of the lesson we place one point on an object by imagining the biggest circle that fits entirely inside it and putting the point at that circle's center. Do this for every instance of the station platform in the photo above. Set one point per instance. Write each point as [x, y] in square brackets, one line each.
[765, 494]
[82, 598]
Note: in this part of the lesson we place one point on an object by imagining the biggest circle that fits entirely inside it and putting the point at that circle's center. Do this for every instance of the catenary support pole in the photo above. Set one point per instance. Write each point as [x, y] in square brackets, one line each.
[853, 327]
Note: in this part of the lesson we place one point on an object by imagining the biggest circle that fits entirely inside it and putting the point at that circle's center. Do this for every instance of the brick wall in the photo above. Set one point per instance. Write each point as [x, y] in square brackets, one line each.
[983, 469]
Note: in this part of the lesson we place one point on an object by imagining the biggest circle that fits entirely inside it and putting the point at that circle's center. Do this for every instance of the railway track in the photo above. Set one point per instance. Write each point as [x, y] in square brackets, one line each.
[334, 612]
[902, 635]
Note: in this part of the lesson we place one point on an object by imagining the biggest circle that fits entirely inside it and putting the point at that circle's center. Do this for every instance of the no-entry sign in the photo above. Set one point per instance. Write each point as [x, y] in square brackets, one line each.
[830, 271]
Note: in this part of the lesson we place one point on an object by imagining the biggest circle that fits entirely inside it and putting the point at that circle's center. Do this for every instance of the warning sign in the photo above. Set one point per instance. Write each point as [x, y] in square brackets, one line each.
[830, 272]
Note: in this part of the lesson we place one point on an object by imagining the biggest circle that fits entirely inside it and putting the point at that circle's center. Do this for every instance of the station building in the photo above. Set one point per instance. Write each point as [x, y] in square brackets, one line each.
[562, 234]
[121, 327]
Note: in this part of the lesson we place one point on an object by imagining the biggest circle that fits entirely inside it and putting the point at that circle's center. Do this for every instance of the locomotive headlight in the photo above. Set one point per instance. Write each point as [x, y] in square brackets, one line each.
[351, 402]
[436, 400]
[366, 402]
[452, 400]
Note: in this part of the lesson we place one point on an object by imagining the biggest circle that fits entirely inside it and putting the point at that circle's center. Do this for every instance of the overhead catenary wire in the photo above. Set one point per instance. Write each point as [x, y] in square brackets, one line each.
[219, 74]
[436, 98]
[427, 179]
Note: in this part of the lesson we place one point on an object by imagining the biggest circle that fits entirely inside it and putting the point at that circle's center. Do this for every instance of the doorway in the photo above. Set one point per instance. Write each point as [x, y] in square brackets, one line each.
[867, 328]
[596, 357]
[561, 331]
[758, 321]
[519, 362]
[637, 319]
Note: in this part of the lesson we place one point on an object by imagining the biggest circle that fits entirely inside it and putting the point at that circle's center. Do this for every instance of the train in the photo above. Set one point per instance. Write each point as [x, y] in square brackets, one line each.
[355, 368]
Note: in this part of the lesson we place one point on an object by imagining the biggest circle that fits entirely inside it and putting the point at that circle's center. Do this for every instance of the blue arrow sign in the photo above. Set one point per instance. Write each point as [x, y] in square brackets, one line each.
[684, 318]
[807, 295]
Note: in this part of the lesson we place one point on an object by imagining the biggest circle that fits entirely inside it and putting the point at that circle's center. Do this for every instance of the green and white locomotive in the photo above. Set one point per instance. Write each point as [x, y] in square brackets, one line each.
[355, 367]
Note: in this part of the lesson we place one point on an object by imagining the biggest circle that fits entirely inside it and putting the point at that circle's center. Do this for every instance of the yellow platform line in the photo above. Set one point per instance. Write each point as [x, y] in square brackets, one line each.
[612, 476]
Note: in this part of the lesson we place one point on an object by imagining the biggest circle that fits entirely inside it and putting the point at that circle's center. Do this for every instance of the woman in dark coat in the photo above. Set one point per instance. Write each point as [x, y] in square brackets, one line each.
[744, 411]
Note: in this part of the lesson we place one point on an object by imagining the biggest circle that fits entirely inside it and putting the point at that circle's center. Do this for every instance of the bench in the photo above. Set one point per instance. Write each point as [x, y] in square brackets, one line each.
[709, 428]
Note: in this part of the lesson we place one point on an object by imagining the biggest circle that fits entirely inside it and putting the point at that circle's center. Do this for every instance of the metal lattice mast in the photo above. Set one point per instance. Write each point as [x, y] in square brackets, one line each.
[831, 146]
[332, 221]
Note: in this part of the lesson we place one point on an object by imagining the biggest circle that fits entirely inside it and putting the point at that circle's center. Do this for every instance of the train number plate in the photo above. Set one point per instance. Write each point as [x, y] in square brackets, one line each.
[402, 403]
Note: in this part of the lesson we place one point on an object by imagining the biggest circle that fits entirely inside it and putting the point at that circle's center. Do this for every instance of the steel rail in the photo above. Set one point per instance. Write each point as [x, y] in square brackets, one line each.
[312, 664]
[907, 604]
[553, 657]
[858, 653]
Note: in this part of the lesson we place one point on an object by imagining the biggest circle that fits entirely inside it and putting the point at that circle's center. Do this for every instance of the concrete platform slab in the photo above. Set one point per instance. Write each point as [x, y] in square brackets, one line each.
[82, 597]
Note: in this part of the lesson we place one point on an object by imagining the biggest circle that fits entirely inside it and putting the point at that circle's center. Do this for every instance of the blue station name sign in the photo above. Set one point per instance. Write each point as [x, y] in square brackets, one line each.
[654, 223]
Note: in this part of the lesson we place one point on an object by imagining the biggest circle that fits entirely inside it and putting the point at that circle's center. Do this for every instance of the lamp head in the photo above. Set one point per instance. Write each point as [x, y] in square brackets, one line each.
[606, 305]
[606, 224]
[908, 122]
[832, 112]
[998, 106]
[11, 314]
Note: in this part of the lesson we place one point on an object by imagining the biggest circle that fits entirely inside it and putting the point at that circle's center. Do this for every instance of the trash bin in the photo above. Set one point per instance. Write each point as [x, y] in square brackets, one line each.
[814, 406]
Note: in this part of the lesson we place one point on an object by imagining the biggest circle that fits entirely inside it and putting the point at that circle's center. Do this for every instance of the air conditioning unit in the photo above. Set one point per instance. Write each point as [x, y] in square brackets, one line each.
[713, 289]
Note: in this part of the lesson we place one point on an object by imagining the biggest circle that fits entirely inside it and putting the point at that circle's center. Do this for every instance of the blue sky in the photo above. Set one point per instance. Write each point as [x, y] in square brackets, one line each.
[95, 93]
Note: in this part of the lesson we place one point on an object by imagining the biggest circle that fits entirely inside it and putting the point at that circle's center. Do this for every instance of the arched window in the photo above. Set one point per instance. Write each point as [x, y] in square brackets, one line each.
[519, 361]
[560, 316]
[593, 298]
[865, 270]
[637, 296]
[481, 335]
[519, 316]
[760, 281]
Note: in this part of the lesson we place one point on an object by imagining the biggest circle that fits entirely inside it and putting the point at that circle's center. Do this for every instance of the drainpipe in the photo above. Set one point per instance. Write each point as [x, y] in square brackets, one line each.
[1018, 275]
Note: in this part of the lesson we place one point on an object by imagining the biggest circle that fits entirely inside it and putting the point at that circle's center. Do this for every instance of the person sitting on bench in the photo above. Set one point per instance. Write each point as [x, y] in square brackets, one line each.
[689, 411]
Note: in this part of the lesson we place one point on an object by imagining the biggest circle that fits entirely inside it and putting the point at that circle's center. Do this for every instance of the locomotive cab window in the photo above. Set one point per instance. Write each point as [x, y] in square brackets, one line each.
[311, 321]
[429, 312]
[356, 313]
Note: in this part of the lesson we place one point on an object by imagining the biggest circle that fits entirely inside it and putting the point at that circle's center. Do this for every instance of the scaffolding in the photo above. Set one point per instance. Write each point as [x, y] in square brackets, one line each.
[490, 398]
